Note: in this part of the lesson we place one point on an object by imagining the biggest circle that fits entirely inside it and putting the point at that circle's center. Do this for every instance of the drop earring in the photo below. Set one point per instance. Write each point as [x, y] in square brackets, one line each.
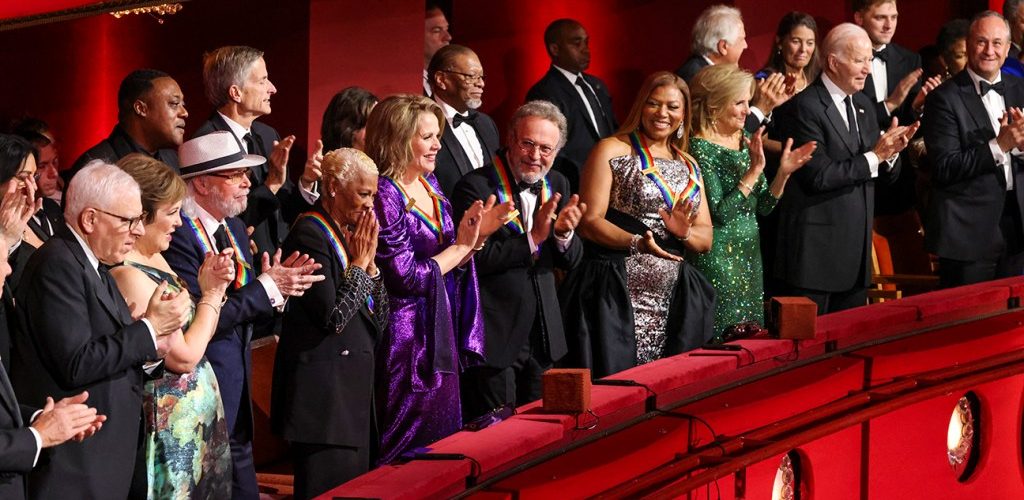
[679, 132]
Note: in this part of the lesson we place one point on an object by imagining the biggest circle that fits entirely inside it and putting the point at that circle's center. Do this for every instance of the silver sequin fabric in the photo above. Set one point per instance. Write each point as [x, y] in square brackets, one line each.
[649, 279]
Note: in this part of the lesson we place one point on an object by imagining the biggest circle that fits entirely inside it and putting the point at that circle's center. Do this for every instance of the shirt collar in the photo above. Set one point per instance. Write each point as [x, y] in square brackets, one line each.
[834, 91]
[709, 61]
[448, 111]
[568, 74]
[95, 262]
[976, 79]
[210, 224]
[235, 127]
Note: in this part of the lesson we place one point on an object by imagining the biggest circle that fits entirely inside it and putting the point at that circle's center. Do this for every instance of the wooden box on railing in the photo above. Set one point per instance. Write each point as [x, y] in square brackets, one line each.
[793, 317]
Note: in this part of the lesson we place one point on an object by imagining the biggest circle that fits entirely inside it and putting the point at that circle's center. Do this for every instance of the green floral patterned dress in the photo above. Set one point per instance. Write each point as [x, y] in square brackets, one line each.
[188, 455]
[734, 263]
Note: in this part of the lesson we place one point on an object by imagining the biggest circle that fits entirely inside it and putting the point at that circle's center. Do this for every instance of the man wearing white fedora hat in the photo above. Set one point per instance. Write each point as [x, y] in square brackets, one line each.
[218, 187]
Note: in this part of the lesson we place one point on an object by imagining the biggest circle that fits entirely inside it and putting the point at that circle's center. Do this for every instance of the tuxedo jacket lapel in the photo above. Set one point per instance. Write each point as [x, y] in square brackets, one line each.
[832, 113]
[454, 147]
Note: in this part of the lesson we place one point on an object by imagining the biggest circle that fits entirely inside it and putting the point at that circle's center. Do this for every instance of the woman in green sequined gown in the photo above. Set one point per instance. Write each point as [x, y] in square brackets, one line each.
[736, 191]
[188, 455]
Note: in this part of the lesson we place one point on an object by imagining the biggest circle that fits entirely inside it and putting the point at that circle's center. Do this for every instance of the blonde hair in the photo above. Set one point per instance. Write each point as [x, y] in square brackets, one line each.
[344, 163]
[391, 127]
[652, 83]
[714, 89]
[158, 183]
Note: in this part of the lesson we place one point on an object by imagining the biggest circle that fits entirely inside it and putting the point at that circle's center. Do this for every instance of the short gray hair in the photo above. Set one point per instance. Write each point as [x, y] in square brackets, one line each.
[837, 41]
[344, 163]
[97, 185]
[718, 22]
[544, 110]
[225, 67]
[986, 14]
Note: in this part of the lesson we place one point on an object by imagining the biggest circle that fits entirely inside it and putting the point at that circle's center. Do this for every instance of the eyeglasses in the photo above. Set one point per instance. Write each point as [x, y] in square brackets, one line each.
[235, 178]
[470, 79]
[529, 147]
[133, 222]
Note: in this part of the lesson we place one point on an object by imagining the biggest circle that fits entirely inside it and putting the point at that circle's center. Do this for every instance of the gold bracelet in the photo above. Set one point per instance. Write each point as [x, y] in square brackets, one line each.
[216, 309]
[748, 186]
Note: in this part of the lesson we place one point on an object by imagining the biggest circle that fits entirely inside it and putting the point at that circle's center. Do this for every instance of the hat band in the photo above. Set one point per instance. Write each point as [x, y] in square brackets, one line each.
[211, 164]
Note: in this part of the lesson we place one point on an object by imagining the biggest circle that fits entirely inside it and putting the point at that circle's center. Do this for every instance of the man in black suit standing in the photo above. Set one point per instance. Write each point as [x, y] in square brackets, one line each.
[218, 186]
[25, 431]
[824, 244]
[77, 332]
[517, 286]
[582, 98]
[894, 84]
[237, 84]
[150, 120]
[974, 132]
[720, 38]
[470, 138]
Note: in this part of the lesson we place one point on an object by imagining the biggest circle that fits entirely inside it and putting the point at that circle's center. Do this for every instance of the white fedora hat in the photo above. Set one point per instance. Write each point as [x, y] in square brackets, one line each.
[214, 152]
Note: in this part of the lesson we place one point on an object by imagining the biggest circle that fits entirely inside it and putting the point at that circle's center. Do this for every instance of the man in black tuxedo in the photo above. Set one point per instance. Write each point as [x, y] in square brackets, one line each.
[517, 286]
[582, 98]
[824, 244]
[470, 138]
[150, 120]
[215, 171]
[25, 431]
[720, 38]
[76, 332]
[974, 132]
[237, 84]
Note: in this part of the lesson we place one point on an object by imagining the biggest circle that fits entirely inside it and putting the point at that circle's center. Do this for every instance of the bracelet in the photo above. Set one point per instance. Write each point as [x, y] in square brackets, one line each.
[216, 309]
[634, 245]
[748, 186]
[481, 247]
[687, 235]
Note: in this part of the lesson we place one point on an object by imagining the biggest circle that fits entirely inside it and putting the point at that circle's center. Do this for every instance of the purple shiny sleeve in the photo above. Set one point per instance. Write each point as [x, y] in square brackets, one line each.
[403, 274]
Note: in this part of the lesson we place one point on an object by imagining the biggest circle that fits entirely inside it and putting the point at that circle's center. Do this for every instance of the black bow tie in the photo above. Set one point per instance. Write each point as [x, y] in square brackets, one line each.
[459, 119]
[985, 87]
[534, 187]
[882, 54]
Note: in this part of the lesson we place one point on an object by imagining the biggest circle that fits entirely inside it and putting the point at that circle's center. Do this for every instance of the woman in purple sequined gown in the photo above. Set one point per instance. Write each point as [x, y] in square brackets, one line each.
[435, 328]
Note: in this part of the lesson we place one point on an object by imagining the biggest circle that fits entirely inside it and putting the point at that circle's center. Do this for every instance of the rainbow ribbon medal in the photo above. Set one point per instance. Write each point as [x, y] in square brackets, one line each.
[504, 192]
[649, 169]
[434, 225]
[335, 242]
[243, 271]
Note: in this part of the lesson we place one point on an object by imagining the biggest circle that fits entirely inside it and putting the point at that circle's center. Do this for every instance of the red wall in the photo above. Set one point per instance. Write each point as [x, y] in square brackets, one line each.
[67, 73]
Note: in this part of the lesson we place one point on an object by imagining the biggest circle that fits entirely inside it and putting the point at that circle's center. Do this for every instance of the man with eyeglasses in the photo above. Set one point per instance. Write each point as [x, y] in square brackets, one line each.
[218, 190]
[78, 333]
[522, 319]
[471, 137]
[581, 97]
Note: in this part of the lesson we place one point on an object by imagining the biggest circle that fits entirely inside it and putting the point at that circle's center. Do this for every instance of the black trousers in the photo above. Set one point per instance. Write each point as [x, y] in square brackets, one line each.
[486, 388]
[1010, 262]
[321, 467]
[830, 302]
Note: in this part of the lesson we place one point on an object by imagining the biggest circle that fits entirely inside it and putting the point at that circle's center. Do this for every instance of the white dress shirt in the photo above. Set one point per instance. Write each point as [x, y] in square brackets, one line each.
[579, 90]
[465, 134]
[839, 98]
[528, 200]
[880, 78]
[995, 106]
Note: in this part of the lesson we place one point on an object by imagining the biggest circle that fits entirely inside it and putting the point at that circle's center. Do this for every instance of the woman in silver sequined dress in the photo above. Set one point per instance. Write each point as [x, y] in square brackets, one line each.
[645, 211]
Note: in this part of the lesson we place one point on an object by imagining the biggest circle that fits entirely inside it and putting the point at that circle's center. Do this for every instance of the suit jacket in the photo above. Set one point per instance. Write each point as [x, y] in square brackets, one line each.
[228, 350]
[51, 218]
[314, 348]
[695, 63]
[77, 334]
[17, 445]
[269, 213]
[825, 218]
[116, 146]
[452, 161]
[968, 189]
[901, 63]
[515, 288]
[582, 136]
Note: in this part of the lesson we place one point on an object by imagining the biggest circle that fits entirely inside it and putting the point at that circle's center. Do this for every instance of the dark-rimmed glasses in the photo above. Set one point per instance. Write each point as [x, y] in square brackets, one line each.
[133, 222]
[235, 178]
[470, 79]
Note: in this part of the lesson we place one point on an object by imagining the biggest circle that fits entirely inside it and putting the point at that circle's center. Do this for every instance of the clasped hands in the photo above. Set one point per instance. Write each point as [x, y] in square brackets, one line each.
[483, 218]
[1011, 130]
[895, 139]
[66, 419]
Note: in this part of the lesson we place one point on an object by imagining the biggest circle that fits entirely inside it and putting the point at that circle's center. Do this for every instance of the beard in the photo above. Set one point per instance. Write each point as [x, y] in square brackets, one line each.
[227, 205]
[474, 103]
